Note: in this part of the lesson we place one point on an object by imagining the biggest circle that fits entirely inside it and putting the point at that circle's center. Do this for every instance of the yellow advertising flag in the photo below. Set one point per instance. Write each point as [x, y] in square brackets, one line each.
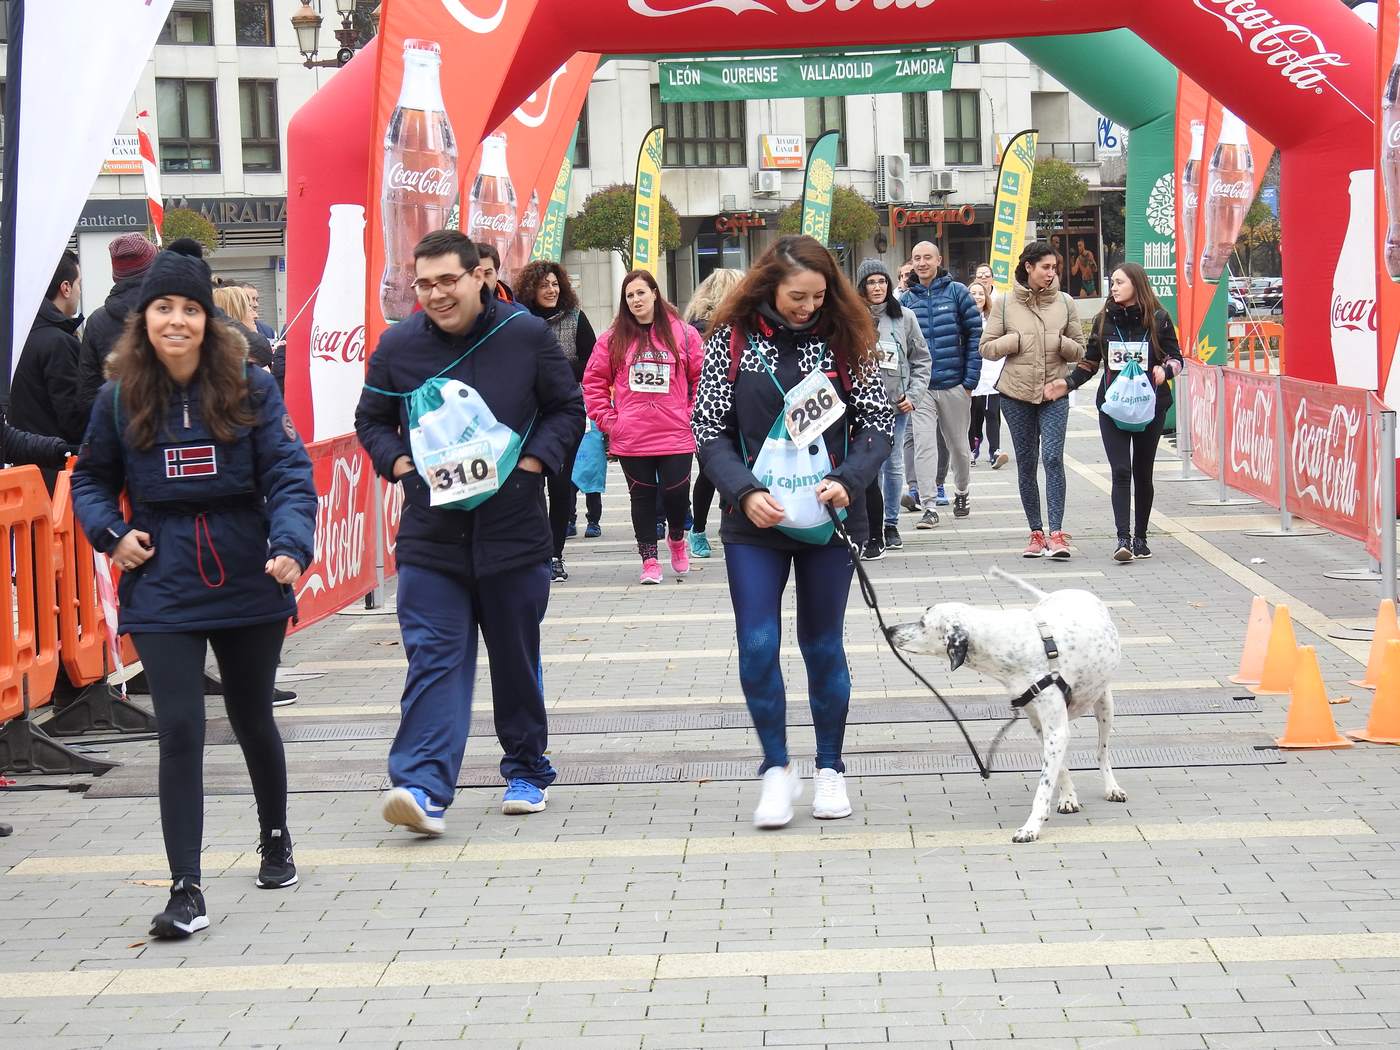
[646, 209]
[1013, 206]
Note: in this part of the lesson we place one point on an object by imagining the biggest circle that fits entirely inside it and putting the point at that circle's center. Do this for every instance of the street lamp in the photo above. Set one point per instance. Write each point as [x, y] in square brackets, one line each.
[307, 23]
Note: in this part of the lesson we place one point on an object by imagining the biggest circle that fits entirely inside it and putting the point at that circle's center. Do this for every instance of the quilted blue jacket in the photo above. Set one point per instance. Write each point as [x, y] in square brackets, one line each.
[952, 327]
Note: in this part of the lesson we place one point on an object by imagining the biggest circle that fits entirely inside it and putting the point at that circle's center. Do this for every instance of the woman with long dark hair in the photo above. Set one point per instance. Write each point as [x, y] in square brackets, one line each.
[1132, 326]
[223, 511]
[792, 419]
[1035, 330]
[639, 387]
[545, 290]
[986, 402]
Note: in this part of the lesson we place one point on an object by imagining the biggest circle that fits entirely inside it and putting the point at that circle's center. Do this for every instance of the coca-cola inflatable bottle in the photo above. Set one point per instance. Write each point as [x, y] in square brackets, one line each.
[1191, 197]
[525, 233]
[492, 209]
[1229, 192]
[1390, 166]
[337, 362]
[420, 173]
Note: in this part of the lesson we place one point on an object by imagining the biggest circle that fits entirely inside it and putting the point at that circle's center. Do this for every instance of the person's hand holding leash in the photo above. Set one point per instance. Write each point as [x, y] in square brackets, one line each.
[133, 550]
[833, 493]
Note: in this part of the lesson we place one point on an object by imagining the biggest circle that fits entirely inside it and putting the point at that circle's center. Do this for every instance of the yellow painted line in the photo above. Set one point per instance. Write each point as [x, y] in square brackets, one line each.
[1300, 611]
[416, 852]
[683, 966]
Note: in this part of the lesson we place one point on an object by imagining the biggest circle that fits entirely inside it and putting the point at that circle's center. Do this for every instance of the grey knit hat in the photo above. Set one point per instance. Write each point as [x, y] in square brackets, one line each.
[870, 267]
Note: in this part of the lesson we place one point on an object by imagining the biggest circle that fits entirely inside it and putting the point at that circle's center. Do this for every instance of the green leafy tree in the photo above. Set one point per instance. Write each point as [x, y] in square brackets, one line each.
[1056, 187]
[186, 222]
[853, 220]
[1259, 234]
[605, 223]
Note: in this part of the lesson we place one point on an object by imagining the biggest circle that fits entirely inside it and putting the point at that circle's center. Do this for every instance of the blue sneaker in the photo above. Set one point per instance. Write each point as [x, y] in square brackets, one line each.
[699, 545]
[941, 498]
[411, 808]
[523, 797]
[593, 531]
[570, 530]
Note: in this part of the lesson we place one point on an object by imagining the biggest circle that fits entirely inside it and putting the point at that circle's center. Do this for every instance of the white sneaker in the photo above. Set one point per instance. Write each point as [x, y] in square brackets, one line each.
[829, 802]
[781, 788]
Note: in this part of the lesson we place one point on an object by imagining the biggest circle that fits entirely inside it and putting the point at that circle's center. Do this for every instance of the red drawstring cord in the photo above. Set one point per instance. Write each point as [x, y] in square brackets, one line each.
[203, 521]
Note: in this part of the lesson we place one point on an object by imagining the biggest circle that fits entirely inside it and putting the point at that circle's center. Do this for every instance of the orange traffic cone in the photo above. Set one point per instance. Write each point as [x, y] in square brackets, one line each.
[1310, 722]
[1277, 676]
[1256, 644]
[1386, 628]
[1384, 724]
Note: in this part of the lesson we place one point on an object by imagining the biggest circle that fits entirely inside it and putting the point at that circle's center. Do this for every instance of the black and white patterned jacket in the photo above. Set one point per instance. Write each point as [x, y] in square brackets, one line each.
[857, 445]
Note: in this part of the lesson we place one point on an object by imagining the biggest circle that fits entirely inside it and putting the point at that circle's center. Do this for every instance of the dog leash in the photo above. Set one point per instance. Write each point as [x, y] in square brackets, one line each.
[867, 593]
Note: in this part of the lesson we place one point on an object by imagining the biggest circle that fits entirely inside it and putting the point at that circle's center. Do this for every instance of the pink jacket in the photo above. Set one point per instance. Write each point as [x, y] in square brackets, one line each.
[643, 422]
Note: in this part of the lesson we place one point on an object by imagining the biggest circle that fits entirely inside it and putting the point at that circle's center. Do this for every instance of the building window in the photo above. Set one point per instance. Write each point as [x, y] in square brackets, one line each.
[916, 127]
[827, 114]
[700, 134]
[714, 251]
[257, 106]
[191, 22]
[971, 53]
[962, 128]
[581, 145]
[189, 125]
[252, 21]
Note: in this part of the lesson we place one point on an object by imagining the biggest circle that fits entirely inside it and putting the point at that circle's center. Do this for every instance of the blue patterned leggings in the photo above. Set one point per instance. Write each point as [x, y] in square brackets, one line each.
[1038, 432]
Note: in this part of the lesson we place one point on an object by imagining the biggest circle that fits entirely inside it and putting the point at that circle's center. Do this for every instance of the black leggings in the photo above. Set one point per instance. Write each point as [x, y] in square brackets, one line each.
[986, 412]
[1131, 455]
[174, 666]
[560, 488]
[701, 497]
[642, 474]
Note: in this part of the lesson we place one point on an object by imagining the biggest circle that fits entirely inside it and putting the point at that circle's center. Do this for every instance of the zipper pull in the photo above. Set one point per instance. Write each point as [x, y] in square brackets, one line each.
[185, 402]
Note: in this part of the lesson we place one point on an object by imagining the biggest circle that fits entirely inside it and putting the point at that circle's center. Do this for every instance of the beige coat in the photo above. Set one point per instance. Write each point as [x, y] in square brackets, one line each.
[1038, 335]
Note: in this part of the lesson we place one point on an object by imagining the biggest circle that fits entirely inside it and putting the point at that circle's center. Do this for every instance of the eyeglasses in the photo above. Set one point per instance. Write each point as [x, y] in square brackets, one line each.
[877, 279]
[423, 286]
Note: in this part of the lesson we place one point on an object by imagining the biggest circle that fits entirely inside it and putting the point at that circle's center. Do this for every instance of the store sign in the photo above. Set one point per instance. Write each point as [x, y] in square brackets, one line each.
[781, 152]
[740, 223]
[811, 76]
[117, 215]
[935, 217]
[124, 158]
[240, 213]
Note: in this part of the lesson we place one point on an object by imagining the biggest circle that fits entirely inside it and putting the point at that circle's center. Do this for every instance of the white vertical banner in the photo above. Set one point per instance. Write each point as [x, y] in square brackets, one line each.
[68, 111]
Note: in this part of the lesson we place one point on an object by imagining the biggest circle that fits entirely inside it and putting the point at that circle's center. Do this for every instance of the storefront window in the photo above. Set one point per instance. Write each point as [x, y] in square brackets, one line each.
[714, 251]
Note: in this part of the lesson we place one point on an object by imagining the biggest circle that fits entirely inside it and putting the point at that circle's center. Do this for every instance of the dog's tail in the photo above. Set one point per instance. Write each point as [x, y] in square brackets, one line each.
[1002, 574]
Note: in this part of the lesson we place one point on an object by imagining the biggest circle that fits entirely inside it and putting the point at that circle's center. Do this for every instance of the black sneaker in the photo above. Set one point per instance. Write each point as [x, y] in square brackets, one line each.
[1140, 548]
[960, 505]
[184, 914]
[277, 869]
[928, 521]
[283, 697]
[1124, 551]
[874, 551]
[557, 572]
[893, 542]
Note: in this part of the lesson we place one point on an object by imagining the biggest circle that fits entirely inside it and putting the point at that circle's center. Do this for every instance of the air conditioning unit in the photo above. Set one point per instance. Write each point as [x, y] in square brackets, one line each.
[892, 178]
[945, 181]
[767, 183]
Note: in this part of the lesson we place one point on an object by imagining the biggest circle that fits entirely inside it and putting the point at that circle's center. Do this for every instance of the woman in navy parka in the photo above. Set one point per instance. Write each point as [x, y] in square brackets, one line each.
[223, 512]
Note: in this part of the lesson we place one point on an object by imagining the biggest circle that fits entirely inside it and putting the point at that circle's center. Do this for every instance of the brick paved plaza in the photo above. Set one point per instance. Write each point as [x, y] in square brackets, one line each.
[1247, 899]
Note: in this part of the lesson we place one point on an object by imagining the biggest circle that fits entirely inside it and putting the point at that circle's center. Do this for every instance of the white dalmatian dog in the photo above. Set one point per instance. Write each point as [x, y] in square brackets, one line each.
[1010, 646]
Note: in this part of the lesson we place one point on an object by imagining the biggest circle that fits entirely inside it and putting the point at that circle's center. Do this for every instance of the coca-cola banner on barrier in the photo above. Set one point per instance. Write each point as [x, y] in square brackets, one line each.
[390, 513]
[342, 569]
[1202, 389]
[1327, 457]
[1374, 408]
[1387, 199]
[1251, 435]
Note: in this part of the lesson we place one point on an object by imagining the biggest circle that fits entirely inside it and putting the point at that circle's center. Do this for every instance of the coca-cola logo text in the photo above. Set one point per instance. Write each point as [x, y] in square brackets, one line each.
[1355, 315]
[535, 120]
[340, 529]
[1252, 438]
[475, 23]
[1392, 136]
[1204, 432]
[437, 182]
[393, 514]
[1298, 52]
[1324, 462]
[1236, 190]
[501, 222]
[337, 344]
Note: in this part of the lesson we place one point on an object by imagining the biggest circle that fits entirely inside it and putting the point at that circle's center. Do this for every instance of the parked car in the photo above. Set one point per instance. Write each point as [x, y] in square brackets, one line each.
[1235, 308]
[1239, 286]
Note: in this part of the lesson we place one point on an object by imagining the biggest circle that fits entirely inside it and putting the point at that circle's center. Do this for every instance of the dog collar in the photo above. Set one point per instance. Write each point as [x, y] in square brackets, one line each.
[1052, 654]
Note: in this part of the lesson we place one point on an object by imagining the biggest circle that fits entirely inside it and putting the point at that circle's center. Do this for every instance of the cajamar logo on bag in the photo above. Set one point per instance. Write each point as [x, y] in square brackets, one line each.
[191, 461]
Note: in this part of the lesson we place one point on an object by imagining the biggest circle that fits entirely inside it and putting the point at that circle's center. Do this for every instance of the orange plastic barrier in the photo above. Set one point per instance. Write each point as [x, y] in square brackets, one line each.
[29, 557]
[1253, 342]
[81, 634]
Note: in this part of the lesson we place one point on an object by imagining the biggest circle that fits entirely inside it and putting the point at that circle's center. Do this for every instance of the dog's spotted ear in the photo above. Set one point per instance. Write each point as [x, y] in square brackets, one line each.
[957, 646]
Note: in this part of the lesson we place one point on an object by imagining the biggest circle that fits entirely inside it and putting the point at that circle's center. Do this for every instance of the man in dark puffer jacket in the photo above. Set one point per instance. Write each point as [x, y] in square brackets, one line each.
[132, 255]
[952, 327]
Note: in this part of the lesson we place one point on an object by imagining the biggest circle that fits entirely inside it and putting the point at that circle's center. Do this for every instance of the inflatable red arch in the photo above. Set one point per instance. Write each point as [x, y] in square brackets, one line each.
[1300, 72]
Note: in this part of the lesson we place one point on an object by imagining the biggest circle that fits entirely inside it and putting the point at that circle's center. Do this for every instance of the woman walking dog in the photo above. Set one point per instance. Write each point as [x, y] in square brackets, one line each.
[791, 419]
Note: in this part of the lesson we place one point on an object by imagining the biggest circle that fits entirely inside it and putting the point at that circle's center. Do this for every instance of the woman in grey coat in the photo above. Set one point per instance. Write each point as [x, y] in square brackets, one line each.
[905, 367]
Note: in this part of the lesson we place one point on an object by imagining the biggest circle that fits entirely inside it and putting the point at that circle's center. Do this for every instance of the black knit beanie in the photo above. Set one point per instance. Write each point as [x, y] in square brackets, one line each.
[175, 274]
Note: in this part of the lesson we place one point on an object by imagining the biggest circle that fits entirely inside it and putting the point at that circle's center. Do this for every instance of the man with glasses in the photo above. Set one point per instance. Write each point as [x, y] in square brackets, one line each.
[462, 569]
